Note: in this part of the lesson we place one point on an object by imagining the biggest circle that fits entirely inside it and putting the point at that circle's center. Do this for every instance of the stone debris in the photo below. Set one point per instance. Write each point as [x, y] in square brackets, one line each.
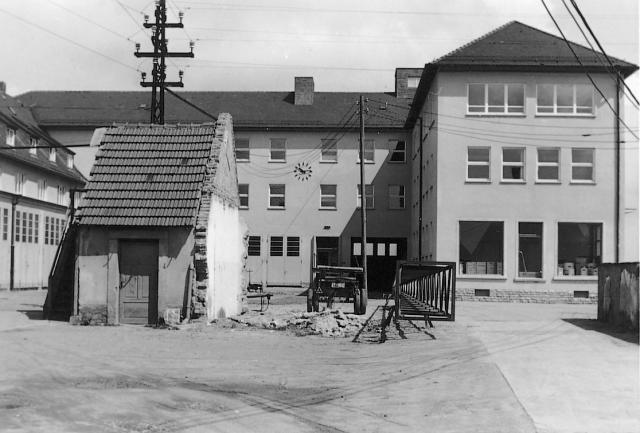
[328, 323]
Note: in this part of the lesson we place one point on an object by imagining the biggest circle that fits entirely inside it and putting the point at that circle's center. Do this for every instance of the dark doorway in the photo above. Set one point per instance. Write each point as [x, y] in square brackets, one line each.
[138, 262]
[327, 249]
[382, 254]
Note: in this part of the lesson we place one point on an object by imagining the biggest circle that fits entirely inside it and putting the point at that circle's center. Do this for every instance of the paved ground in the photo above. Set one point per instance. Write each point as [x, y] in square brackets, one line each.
[498, 368]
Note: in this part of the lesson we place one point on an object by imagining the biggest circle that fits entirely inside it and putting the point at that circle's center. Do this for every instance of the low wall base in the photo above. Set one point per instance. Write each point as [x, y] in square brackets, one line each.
[92, 315]
[526, 296]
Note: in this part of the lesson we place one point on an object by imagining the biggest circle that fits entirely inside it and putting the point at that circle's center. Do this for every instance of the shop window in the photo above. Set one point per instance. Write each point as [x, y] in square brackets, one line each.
[328, 196]
[478, 164]
[276, 246]
[579, 248]
[329, 150]
[243, 153]
[396, 197]
[243, 194]
[253, 249]
[398, 151]
[369, 151]
[565, 99]
[481, 247]
[530, 250]
[495, 99]
[369, 195]
[548, 165]
[276, 196]
[293, 246]
[278, 151]
[513, 164]
[582, 166]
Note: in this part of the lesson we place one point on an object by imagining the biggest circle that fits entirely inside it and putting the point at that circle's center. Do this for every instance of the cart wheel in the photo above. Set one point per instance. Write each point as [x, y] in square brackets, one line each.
[356, 301]
[310, 299]
[364, 295]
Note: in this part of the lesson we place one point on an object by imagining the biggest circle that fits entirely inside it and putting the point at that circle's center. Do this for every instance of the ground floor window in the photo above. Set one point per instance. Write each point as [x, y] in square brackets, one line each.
[530, 250]
[254, 246]
[481, 247]
[579, 248]
[277, 246]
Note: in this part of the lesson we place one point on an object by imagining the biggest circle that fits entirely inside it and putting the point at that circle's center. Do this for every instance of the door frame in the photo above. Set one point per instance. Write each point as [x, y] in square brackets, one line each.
[153, 291]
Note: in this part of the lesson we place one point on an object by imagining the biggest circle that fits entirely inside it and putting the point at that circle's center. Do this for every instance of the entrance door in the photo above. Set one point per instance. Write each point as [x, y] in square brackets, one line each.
[382, 254]
[284, 264]
[138, 263]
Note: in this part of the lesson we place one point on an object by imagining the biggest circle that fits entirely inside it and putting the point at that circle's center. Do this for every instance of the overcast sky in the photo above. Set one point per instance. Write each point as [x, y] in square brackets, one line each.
[347, 45]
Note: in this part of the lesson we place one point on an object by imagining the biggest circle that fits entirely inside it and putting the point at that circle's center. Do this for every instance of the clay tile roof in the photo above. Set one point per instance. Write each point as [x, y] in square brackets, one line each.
[148, 176]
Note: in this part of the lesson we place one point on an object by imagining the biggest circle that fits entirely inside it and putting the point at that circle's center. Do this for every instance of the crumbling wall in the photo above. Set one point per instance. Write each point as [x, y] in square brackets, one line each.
[618, 302]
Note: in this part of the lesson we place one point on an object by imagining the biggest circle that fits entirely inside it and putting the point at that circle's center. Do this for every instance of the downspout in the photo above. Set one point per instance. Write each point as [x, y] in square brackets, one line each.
[617, 153]
[12, 260]
[420, 192]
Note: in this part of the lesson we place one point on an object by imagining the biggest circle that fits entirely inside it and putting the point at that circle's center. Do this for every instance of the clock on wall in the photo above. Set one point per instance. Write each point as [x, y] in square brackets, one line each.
[302, 171]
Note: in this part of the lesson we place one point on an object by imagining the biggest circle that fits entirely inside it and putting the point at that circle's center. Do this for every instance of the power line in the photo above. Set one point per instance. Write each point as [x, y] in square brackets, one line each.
[615, 112]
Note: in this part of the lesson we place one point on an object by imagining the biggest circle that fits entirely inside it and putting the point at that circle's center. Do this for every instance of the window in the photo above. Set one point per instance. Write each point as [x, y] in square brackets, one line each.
[30, 229]
[276, 196]
[396, 196]
[19, 183]
[328, 196]
[62, 195]
[368, 196]
[52, 154]
[58, 230]
[46, 230]
[481, 247]
[369, 151]
[293, 246]
[17, 224]
[413, 82]
[42, 189]
[582, 166]
[36, 227]
[568, 99]
[242, 149]
[24, 227]
[398, 149]
[34, 146]
[278, 150]
[254, 246]
[548, 169]
[5, 224]
[579, 248]
[478, 164]
[276, 246]
[11, 137]
[530, 250]
[329, 151]
[243, 193]
[512, 164]
[70, 161]
[495, 99]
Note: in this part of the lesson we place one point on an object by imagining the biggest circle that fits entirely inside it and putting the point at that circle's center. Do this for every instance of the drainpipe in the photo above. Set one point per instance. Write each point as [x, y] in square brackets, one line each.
[12, 260]
[617, 152]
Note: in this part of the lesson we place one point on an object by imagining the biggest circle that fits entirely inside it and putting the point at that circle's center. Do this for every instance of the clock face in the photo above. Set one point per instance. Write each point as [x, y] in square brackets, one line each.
[302, 171]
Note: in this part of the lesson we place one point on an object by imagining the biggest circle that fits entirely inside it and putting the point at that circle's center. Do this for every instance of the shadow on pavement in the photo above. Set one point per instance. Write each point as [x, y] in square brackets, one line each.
[605, 328]
[32, 314]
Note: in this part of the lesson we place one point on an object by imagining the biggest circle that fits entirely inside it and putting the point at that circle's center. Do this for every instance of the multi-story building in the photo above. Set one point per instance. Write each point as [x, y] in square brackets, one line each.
[37, 174]
[517, 165]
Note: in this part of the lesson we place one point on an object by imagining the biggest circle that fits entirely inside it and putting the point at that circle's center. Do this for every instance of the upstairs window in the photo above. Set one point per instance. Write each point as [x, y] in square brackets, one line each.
[243, 193]
[413, 82]
[495, 99]
[513, 164]
[62, 195]
[396, 197]
[478, 164]
[329, 150]
[70, 161]
[11, 137]
[369, 194]
[242, 149]
[278, 151]
[369, 151]
[398, 150]
[548, 169]
[276, 196]
[52, 154]
[19, 183]
[328, 196]
[582, 166]
[565, 99]
[34, 146]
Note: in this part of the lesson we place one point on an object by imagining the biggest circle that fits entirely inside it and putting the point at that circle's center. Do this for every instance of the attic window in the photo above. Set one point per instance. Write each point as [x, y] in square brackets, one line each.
[11, 137]
[412, 82]
[70, 161]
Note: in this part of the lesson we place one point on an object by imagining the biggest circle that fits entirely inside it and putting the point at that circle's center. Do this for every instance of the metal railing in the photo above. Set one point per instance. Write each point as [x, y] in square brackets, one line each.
[425, 290]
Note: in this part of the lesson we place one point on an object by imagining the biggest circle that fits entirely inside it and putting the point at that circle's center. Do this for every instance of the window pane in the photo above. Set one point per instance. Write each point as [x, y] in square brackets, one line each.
[548, 155]
[564, 97]
[548, 173]
[515, 97]
[478, 172]
[512, 155]
[496, 97]
[545, 96]
[398, 151]
[369, 150]
[293, 246]
[380, 250]
[393, 250]
[579, 248]
[582, 155]
[242, 149]
[329, 150]
[582, 173]
[278, 152]
[584, 98]
[481, 247]
[530, 250]
[276, 189]
[277, 246]
[476, 94]
[328, 196]
[512, 173]
[254, 246]
[243, 188]
[478, 154]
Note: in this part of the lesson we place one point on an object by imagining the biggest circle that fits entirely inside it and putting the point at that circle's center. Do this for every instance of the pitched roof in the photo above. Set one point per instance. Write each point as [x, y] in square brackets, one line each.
[15, 115]
[515, 47]
[249, 109]
[148, 176]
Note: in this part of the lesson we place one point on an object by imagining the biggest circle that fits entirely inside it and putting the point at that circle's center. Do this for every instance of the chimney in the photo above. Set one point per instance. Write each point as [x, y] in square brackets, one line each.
[3, 87]
[407, 80]
[303, 91]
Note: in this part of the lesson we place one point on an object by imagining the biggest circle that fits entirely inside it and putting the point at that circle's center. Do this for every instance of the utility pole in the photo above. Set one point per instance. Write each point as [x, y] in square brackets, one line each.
[158, 55]
[363, 211]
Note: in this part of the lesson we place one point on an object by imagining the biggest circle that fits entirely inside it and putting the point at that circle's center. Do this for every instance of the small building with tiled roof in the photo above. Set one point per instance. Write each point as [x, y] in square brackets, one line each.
[37, 177]
[158, 232]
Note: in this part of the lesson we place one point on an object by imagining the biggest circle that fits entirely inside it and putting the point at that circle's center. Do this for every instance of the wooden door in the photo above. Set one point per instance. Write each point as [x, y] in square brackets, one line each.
[138, 263]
